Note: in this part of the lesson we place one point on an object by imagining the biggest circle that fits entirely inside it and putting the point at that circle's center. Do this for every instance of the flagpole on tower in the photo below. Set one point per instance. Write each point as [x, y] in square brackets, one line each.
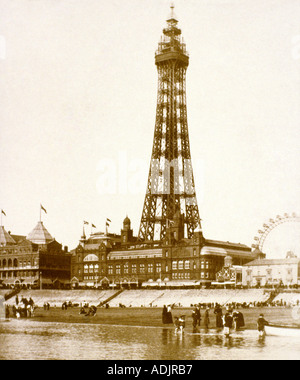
[2, 213]
[92, 226]
[107, 225]
[42, 208]
[87, 223]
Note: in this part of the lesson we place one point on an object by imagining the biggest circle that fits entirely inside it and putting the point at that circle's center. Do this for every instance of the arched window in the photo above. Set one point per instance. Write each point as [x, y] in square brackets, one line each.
[91, 257]
[15, 262]
[9, 263]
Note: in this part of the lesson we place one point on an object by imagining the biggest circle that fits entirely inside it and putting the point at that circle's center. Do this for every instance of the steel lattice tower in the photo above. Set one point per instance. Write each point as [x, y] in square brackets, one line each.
[171, 185]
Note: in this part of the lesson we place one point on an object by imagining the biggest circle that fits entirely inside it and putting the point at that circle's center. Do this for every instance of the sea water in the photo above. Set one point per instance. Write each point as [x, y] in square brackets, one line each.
[27, 339]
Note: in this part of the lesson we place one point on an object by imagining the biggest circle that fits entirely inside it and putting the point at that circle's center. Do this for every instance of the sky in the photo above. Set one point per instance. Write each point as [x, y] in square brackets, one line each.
[78, 92]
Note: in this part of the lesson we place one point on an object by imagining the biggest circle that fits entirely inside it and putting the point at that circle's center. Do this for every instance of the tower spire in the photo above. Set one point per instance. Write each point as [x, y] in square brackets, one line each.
[171, 187]
[172, 13]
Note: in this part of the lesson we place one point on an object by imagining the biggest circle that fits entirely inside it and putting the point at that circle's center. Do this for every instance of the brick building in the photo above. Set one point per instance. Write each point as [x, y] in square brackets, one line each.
[35, 261]
[119, 260]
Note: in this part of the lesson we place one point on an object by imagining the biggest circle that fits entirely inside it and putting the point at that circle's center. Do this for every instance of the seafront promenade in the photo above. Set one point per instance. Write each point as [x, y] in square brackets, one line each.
[145, 297]
[144, 307]
[159, 297]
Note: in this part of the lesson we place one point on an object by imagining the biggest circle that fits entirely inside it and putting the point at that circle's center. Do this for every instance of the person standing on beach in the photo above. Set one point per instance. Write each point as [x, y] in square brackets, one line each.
[198, 314]
[7, 313]
[227, 323]
[219, 314]
[181, 321]
[195, 320]
[164, 314]
[176, 324]
[206, 318]
[169, 318]
[261, 323]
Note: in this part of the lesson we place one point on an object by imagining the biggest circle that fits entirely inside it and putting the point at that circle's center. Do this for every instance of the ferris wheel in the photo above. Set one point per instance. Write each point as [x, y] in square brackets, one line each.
[259, 240]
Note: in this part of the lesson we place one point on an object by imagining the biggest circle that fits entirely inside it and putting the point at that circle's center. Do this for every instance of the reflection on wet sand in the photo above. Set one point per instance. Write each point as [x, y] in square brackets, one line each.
[34, 340]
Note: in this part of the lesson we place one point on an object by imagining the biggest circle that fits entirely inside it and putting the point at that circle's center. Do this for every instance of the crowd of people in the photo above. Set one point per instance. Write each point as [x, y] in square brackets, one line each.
[89, 311]
[230, 320]
[22, 308]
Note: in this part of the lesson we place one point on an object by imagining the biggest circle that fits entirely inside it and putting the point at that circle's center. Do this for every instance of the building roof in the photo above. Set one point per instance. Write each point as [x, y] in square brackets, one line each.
[40, 235]
[227, 244]
[219, 251]
[273, 262]
[5, 237]
[18, 238]
[139, 253]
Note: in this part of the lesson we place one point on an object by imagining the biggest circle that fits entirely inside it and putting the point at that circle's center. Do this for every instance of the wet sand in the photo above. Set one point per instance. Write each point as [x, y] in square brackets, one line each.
[152, 317]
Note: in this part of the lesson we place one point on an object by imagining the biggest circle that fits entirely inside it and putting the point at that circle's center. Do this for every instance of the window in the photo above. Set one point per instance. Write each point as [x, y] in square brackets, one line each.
[86, 269]
[180, 264]
[158, 267]
[150, 268]
[91, 268]
[142, 268]
[118, 269]
[187, 264]
[174, 265]
[91, 257]
[110, 269]
[126, 268]
[133, 268]
[202, 274]
[202, 264]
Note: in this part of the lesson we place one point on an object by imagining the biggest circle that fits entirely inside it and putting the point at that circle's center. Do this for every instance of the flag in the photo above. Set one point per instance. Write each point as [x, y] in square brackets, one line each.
[93, 226]
[43, 209]
[108, 220]
[107, 224]
[84, 222]
[2, 212]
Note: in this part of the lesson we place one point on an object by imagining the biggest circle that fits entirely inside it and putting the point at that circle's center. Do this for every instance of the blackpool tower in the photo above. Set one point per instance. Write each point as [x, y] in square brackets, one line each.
[170, 190]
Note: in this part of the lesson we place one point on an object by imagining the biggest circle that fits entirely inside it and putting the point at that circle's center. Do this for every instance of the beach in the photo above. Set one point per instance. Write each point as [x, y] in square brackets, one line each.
[152, 317]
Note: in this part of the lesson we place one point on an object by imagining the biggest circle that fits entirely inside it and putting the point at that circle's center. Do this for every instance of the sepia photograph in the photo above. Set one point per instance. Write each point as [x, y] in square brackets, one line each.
[150, 182]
